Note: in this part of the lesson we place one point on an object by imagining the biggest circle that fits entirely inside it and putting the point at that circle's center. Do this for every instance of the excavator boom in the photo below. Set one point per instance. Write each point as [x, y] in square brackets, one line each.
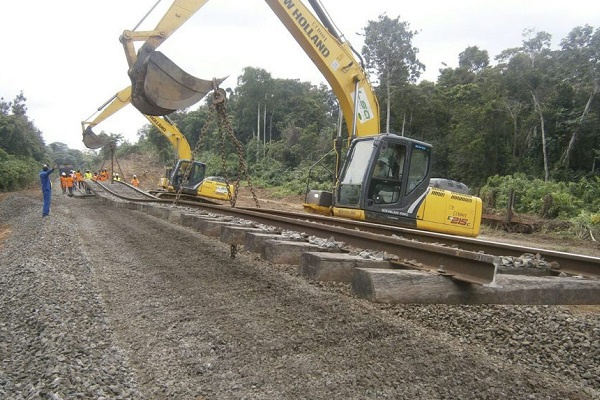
[335, 61]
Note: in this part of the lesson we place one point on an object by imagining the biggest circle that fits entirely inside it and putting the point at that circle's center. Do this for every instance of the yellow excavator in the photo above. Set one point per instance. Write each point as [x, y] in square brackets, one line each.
[384, 178]
[186, 175]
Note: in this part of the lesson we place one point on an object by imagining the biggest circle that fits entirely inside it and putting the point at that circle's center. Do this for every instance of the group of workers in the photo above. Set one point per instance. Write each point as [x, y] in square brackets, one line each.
[74, 180]
[102, 175]
[69, 180]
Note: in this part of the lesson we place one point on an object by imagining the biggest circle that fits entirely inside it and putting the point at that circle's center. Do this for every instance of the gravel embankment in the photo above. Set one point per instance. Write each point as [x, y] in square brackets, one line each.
[100, 302]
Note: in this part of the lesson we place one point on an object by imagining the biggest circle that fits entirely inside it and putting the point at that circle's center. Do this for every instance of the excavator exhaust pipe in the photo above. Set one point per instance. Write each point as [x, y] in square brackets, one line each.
[160, 87]
[93, 141]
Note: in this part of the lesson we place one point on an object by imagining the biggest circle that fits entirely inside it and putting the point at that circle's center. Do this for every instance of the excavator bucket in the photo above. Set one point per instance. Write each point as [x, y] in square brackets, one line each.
[93, 141]
[160, 87]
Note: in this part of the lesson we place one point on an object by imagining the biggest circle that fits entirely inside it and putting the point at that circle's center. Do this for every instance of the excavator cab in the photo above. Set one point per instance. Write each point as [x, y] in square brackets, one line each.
[160, 87]
[188, 179]
[197, 183]
[384, 177]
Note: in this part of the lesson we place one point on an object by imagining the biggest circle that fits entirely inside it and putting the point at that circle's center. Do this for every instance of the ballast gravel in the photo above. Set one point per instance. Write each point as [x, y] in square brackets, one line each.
[99, 302]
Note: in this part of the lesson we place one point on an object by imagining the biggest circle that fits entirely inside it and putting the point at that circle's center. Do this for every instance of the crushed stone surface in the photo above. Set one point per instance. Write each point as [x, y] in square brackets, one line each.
[109, 303]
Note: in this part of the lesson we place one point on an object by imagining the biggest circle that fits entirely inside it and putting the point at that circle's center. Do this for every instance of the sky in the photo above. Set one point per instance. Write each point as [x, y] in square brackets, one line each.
[65, 56]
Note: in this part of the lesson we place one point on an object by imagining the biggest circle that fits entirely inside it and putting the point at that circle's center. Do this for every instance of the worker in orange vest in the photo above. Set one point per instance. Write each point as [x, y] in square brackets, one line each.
[70, 182]
[79, 179]
[63, 183]
[135, 182]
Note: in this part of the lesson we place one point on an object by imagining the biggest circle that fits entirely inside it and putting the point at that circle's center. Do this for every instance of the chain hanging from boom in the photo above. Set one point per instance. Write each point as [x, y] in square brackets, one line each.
[225, 128]
[218, 104]
[188, 168]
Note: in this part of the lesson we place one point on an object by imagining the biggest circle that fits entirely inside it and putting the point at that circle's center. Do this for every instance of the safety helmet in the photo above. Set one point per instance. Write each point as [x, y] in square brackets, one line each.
[134, 176]
[63, 174]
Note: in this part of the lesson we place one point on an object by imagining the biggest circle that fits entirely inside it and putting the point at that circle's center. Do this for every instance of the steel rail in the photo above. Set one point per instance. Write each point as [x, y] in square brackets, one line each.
[138, 192]
[466, 266]
[569, 263]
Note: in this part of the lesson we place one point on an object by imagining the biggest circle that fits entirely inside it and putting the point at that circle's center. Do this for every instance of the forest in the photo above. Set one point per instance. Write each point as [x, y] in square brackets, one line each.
[528, 120]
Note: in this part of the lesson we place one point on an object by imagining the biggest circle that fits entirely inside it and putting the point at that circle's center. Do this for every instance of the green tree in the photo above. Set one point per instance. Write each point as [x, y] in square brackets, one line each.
[18, 135]
[580, 65]
[253, 89]
[531, 66]
[473, 59]
[390, 55]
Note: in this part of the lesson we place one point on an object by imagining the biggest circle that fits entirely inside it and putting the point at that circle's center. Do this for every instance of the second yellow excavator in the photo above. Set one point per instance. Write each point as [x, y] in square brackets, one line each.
[187, 175]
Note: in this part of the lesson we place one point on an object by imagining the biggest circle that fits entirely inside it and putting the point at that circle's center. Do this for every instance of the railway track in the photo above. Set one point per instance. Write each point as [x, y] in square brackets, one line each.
[465, 259]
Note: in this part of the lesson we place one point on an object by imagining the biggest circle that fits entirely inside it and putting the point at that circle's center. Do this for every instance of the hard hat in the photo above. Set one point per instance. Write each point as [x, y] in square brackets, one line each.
[134, 176]
[63, 174]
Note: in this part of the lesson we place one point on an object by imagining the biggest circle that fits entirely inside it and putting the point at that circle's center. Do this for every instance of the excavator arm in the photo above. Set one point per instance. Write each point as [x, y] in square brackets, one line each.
[158, 83]
[163, 124]
[114, 104]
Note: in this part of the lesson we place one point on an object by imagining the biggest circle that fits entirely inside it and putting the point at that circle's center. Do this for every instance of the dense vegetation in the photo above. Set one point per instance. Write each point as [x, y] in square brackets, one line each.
[530, 122]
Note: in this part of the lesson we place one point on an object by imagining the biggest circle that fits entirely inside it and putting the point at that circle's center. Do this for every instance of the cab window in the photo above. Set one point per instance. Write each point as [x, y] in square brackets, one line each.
[419, 164]
[386, 179]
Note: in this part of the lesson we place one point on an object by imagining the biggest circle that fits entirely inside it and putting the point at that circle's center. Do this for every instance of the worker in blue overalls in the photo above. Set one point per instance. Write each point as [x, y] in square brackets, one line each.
[46, 188]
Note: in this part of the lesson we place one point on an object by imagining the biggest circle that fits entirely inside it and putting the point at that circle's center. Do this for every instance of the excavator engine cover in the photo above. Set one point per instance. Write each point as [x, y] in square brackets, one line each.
[93, 141]
[160, 87]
